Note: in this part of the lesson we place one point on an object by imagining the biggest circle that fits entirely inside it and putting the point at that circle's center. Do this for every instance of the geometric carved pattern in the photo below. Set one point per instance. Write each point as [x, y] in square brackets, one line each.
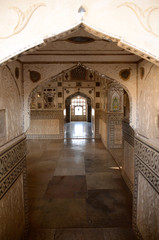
[8, 181]
[11, 157]
[148, 174]
[12, 165]
[148, 155]
[79, 73]
[147, 163]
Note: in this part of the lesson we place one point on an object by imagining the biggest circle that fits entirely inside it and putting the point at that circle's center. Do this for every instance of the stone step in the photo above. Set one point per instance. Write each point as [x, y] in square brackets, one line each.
[82, 234]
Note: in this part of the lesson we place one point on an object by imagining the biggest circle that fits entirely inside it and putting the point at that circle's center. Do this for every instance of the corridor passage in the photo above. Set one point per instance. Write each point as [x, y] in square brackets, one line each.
[78, 130]
[76, 192]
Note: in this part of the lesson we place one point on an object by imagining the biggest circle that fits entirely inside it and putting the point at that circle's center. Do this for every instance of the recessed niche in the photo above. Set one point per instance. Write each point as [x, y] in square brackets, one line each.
[80, 39]
[97, 84]
[97, 105]
[35, 76]
[59, 105]
[59, 94]
[17, 72]
[97, 94]
[59, 84]
[124, 74]
[142, 72]
[2, 124]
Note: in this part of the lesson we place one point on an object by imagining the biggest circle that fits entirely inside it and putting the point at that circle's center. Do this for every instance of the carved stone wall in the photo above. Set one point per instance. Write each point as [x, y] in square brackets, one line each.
[115, 130]
[13, 192]
[146, 191]
[46, 124]
[128, 161]
[11, 102]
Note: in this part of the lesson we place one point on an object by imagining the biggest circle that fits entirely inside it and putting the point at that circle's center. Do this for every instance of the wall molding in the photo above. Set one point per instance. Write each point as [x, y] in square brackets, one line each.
[46, 136]
[11, 157]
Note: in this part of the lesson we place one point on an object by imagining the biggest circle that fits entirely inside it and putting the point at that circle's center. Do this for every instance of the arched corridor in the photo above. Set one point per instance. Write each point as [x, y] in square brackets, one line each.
[63, 70]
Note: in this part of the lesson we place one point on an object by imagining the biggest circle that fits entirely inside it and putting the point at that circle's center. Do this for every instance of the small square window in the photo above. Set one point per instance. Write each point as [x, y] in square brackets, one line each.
[59, 84]
[59, 105]
[59, 94]
[97, 105]
[97, 84]
[97, 94]
[39, 105]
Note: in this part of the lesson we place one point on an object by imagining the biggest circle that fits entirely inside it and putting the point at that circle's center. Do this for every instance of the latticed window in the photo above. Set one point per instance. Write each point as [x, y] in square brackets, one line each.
[78, 106]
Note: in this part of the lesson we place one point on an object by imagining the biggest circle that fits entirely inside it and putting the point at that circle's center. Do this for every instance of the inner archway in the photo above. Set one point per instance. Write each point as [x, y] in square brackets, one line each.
[79, 116]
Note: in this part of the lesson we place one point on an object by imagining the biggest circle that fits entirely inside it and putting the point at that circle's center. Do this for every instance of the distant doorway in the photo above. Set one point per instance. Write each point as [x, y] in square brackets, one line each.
[78, 121]
[79, 109]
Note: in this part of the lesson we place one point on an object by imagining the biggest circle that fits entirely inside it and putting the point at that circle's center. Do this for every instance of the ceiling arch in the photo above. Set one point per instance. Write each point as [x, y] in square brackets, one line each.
[29, 25]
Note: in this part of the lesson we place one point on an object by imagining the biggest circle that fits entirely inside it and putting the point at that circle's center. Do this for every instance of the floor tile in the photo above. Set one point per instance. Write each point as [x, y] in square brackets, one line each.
[66, 187]
[59, 213]
[118, 234]
[108, 208]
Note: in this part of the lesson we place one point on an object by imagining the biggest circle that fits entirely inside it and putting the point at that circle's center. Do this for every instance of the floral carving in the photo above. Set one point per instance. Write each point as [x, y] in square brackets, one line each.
[23, 18]
[142, 15]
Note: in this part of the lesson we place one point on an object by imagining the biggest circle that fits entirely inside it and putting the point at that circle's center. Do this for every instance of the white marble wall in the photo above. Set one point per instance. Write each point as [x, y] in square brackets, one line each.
[128, 165]
[12, 220]
[148, 101]
[147, 210]
[44, 127]
[11, 101]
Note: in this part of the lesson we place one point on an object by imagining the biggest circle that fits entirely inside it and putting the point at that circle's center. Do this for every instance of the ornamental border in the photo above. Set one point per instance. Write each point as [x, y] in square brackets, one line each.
[11, 157]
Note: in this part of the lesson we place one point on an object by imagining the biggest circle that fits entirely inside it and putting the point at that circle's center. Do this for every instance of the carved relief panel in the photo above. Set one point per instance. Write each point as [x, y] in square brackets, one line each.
[115, 98]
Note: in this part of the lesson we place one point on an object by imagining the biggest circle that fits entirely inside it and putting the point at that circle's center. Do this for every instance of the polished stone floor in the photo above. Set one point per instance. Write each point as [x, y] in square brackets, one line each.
[76, 192]
[78, 130]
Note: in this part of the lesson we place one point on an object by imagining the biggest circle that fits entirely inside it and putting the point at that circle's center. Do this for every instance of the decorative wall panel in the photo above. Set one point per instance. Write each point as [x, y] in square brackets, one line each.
[46, 124]
[115, 130]
[13, 192]
[145, 213]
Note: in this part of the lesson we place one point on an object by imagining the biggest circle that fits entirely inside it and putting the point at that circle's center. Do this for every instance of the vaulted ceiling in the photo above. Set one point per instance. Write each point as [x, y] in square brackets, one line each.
[82, 47]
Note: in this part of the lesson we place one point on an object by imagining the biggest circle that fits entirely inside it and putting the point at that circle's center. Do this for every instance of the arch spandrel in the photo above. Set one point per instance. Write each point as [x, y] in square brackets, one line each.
[132, 26]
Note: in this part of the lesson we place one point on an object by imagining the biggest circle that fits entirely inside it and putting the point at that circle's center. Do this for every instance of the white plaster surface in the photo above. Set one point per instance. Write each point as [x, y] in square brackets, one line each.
[127, 21]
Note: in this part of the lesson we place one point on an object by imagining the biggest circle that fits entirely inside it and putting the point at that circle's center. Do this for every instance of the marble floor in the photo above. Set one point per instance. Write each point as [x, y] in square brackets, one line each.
[76, 192]
[78, 130]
